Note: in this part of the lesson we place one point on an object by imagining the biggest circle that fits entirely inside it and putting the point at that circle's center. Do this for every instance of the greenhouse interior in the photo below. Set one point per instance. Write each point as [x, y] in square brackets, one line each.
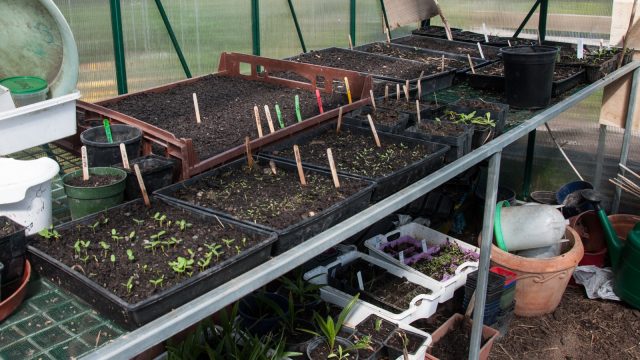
[142, 216]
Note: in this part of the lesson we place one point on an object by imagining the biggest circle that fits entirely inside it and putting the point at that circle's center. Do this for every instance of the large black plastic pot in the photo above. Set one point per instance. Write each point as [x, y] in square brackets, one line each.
[13, 248]
[294, 234]
[529, 75]
[100, 152]
[156, 171]
[134, 315]
[385, 185]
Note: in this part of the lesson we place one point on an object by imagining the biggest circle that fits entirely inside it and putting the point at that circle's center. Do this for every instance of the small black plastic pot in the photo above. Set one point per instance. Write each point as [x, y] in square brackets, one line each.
[317, 341]
[358, 117]
[528, 74]
[499, 116]
[414, 343]
[375, 352]
[257, 312]
[459, 145]
[100, 152]
[13, 248]
[156, 171]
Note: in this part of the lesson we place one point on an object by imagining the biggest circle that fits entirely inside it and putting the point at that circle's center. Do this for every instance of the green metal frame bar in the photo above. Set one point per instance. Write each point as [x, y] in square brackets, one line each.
[255, 26]
[384, 14]
[526, 18]
[528, 165]
[352, 21]
[118, 46]
[542, 19]
[174, 41]
[295, 22]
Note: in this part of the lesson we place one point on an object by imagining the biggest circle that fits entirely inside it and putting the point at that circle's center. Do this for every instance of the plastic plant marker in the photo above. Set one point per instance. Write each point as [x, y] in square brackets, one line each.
[247, 147]
[272, 165]
[386, 93]
[360, 281]
[125, 158]
[197, 108]
[296, 152]
[298, 112]
[480, 50]
[143, 189]
[442, 64]
[580, 49]
[332, 166]
[406, 90]
[386, 32]
[373, 100]
[401, 256]
[339, 125]
[601, 45]
[484, 31]
[473, 70]
[423, 242]
[269, 120]
[346, 85]
[350, 42]
[279, 116]
[397, 92]
[256, 113]
[107, 130]
[419, 88]
[509, 43]
[319, 99]
[373, 130]
[418, 109]
[435, 98]
[85, 163]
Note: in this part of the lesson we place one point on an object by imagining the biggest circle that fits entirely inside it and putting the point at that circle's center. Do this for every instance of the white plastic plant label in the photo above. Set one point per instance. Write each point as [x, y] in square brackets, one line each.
[484, 31]
[580, 49]
[360, 282]
[480, 50]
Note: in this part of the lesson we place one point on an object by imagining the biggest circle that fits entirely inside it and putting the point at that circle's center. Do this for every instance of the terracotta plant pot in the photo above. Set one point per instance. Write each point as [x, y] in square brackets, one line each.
[488, 334]
[623, 223]
[11, 303]
[588, 226]
[541, 282]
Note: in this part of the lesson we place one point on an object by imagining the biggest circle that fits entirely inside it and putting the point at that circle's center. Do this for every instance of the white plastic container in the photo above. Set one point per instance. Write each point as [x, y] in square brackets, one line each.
[529, 227]
[25, 191]
[421, 306]
[6, 102]
[432, 238]
[26, 90]
[37, 124]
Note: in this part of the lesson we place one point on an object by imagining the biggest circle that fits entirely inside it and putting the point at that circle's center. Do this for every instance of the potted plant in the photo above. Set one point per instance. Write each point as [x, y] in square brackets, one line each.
[156, 171]
[104, 189]
[483, 126]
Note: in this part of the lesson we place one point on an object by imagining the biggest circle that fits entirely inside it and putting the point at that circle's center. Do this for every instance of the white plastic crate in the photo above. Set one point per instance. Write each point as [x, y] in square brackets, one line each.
[38, 123]
[432, 237]
[421, 306]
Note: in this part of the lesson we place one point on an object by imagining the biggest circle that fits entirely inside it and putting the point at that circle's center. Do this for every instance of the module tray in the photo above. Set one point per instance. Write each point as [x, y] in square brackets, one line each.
[448, 47]
[185, 150]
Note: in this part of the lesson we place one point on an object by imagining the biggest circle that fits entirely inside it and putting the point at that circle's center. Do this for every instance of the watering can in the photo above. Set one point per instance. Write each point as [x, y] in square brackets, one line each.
[625, 256]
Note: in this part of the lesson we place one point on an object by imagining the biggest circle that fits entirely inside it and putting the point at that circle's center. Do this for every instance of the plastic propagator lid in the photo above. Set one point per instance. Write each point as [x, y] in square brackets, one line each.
[24, 84]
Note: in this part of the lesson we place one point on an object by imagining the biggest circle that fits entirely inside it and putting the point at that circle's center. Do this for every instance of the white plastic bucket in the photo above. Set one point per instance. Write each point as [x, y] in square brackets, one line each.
[25, 192]
[528, 227]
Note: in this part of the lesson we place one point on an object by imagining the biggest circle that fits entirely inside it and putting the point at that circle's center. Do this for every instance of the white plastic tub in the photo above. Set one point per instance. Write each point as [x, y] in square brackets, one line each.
[421, 306]
[37, 124]
[25, 192]
[432, 238]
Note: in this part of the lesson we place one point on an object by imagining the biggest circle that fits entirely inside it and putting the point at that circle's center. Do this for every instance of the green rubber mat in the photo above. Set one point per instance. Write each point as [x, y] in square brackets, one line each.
[51, 324]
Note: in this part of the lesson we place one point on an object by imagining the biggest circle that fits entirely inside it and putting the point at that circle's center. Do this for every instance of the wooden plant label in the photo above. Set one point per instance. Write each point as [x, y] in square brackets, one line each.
[473, 70]
[442, 65]
[256, 113]
[419, 88]
[296, 152]
[406, 90]
[85, 163]
[397, 92]
[125, 158]
[269, 120]
[272, 165]
[334, 171]
[143, 189]
[386, 32]
[386, 93]
[346, 85]
[247, 146]
[418, 109]
[195, 106]
[373, 99]
[509, 43]
[350, 42]
[339, 120]
[373, 130]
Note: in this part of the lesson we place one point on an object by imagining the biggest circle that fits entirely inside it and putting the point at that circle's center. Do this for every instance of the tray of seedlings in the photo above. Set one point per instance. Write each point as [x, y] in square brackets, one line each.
[427, 253]
[386, 120]
[497, 111]
[134, 263]
[203, 122]
[395, 164]
[458, 136]
[384, 67]
[491, 77]
[484, 127]
[456, 34]
[251, 191]
[450, 47]
[384, 289]
[597, 61]
[437, 60]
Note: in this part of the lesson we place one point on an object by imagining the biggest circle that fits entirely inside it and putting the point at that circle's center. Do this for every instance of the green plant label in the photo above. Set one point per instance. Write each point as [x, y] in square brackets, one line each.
[107, 130]
[298, 115]
[279, 115]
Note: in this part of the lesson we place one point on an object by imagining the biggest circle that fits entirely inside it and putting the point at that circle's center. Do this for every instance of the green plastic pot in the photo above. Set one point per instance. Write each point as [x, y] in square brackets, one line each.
[84, 201]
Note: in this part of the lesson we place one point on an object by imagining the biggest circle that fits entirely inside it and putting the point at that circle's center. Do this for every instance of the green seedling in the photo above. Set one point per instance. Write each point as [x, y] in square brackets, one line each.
[129, 285]
[173, 241]
[104, 247]
[228, 242]
[84, 259]
[132, 235]
[213, 248]
[377, 325]
[181, 265]
[238, 249]
[157, 281]
[130, 255]
[138, 222]
[81, 245]
[115, 236]
[160, 218]
[49, 233]
[152, 245]
[158, 235]
[94, 226]
[144, 268]
[204, 263]
[183, 225]
[112, 258]
[244, 242]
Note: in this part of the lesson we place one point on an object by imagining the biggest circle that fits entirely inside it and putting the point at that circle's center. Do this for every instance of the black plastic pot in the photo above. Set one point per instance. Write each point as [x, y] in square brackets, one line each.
[157, 172]
[529, 75]
[561, 86]
[358, 117]
[261, 324]
[481, 136]
[100, 152]
[459, 145]
[500, 116]
[428, 109]
[294, 234]
[385, 185]
[415, 341]
[13, 248]
[132, 316]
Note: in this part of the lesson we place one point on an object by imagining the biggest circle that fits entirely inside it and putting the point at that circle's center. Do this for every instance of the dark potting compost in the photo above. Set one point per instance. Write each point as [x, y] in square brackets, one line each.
[94, 181]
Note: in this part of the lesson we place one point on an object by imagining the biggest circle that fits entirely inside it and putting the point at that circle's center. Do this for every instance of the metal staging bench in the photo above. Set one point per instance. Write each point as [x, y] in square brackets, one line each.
[181, 318]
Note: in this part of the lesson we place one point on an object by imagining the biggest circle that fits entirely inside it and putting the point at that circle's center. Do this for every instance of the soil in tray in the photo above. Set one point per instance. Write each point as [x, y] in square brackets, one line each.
[434, 62]
[479, 104]
[153, 245]
[7, 227]
[377, 327]
[413, 341]
[366, 63]
[440, 128]
[455, 344]
[444, 263]
[357, 153]
[407, 106]
[226, 108]
[94, 181]
[258, 195]
[560, 72]
[381, 116]
[450, 47]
